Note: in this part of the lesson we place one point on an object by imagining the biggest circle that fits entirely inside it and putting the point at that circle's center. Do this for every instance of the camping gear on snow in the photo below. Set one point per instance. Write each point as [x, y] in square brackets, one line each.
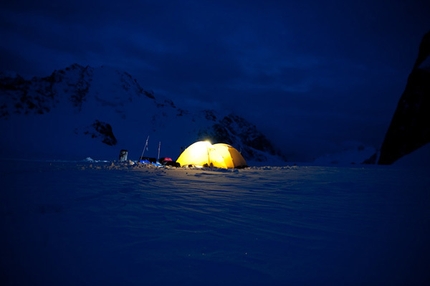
[166, 161]
[147, 160]
[123, 155]
[204, 154]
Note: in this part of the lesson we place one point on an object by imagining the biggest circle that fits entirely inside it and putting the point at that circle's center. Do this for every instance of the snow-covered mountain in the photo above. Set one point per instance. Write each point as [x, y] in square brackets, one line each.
[351, 153]
[84, 111]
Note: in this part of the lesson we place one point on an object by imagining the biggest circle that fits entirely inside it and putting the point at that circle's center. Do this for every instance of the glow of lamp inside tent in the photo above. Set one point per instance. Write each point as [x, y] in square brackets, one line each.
[204, 147]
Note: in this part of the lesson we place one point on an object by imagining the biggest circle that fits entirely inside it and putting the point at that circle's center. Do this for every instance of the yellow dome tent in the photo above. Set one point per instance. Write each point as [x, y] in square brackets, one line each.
[220, 155]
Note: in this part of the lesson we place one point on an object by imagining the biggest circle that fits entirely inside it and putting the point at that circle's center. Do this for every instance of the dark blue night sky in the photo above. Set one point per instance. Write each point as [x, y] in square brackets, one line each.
[312, 74]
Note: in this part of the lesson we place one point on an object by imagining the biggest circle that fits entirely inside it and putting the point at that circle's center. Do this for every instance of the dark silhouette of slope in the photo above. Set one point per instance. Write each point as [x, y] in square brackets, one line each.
[410, 126]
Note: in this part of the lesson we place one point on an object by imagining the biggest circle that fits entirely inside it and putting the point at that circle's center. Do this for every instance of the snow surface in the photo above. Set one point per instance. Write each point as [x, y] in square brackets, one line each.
[104, 223]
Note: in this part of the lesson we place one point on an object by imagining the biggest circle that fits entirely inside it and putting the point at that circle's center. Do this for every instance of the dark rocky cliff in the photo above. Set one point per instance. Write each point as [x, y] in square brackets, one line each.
[410, 126]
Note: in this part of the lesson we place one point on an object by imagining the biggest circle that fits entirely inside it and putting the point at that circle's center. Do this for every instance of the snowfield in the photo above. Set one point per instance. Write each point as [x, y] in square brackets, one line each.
[103, 223]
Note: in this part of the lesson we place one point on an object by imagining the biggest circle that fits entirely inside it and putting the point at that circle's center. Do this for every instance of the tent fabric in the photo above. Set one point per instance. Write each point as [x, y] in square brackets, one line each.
[203, 153]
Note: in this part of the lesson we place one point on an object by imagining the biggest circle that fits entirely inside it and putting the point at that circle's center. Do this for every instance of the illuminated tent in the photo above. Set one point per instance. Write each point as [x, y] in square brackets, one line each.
[220, 155]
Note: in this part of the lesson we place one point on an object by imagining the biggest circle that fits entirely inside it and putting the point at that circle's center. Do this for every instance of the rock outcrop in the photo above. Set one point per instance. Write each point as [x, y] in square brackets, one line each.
[103, 131]
[410, 126]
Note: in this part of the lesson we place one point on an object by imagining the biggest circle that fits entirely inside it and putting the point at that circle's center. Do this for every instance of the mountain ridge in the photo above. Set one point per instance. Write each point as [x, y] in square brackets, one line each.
[87, 111]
